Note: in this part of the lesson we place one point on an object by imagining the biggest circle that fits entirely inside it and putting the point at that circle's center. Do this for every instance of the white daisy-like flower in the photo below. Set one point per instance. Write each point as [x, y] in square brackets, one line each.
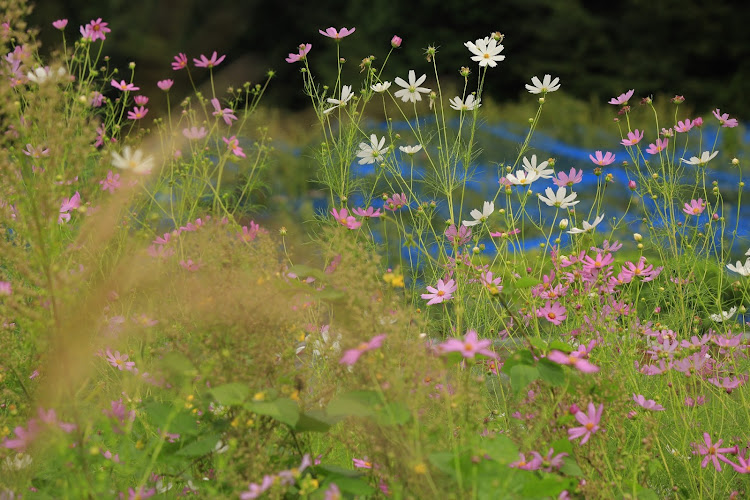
[748, 252]
[522, 178]
[346, 96]
[41, 75]
[20, 461]
[410, 150]
[411, 91]
[558, 199]
[540, 170]
[373, 152]
[486, 51]
[586, 226]
[470, 104]
[705, 158]
[723, 315]
[381, 87]
[544, 86]
[328, 342]
[133, 160]
[487, 210]
[740, 268]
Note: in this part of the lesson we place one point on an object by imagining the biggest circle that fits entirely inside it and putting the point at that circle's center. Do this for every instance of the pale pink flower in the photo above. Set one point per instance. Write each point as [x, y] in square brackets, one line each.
[370, 212]
[337, 35]
[443, 292]
[634, 138]
[648, 404]
[95, 30]
[165, 85]
[362, 463]
[622, 98]
[140, 100]
[607, 159]
[724, 119]
[563, 179]
[695, 207]
[227, 114]
[575, 359]
[60, 24]
[342, 217]
[120, 361]
[658, 146]
[24, 436]
[140, 493]
[111, 183]
[395, 202]
[469, 346]
[137, 113]
[124, 86]
[180, 62]
[256, 490]
[396, 41]
[204, 62]
[194, 133]
[684, 126]
[712, 452]
[233, 144]
[304, 48]
[522, 463]
[352, 355]
[589, 423]
[554, 313]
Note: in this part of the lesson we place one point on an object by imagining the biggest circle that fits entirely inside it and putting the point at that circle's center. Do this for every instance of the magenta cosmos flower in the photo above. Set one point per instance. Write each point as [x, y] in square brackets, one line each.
[60, 24]
[634, 138]
[554, 313]
[622, 98]
[370, 212]
[304, 48]
[724, 119]
[204, 62]
[469, 346]
[95, 30]
[695, 207]
[337, 35]
[352, 355]
[563, 179]
[658, 146]
[120, 361]
[165, 85]
[227, 114]
[574, 359]
[124, 86]
[713, 453]
[607, 159]
[589, 423]
[233, 144]
[648, 404]
[443, 292]
[342, 217]
[24, 437]
[180, 62]
[137, 113]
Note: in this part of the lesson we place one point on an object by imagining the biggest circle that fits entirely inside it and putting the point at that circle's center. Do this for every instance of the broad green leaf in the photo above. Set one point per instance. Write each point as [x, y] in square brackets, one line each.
[284, 410]
[522, 357]
[201, 446]
[560, 346]
[314, 421]
[444, 462]
[570, 467]
[551, 372]
[230, 394]
[354, 404]
[500, 449]
[547, 486]
[521, 376]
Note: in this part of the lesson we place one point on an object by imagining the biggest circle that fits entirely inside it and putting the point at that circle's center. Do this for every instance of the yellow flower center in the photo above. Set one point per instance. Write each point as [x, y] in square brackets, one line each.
[589, 426]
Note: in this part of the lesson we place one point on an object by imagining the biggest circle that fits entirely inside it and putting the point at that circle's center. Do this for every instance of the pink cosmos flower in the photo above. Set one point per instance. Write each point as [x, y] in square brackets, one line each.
[657, 147]
[622, 98]
[648, 404]
[111, 183]
[24, 436]
[634, 138]
[362, 463]
[337, 35]
[165, 85]
[60, 24]
[227, 113]
[443, 292]
[395, 202]
[574, 359]
[115, 458]
[712, 452]
[256, 490]
[120, 361]
[67, 205]
[396, 41]
[563, 179]
[352, 355]
[249, 234]
[492, 283]
[370, 212]
[469, 346]
[550, 461]
[607, 159]
[342, 217]
[180, 62]
[597, 264]
[204, 62]
[522, 463]
[189, 265]
[695, 207]
[97, 99]
[141, 100]
[724, 119]
[683, 126]
[140, 493]
[304, 48]
[589, 423]
[95, 30]
[137, 113]
[124, 86]
[458, 236]
[554, 313]
[194, 133]
[233, 144]
[36, 152]
[744, 463]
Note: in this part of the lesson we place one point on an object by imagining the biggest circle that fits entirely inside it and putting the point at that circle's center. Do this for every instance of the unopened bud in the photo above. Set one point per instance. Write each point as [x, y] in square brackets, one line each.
[396, 41]
[632, 185]
[563, 224]
[637, 237]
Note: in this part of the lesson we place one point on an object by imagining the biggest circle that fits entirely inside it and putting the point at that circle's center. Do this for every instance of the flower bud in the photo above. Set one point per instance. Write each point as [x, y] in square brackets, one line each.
[396, 41]
[735, 161]
[637, 237]
[464, 71]
[632, 185]
[640, 246]
[497, 36]
[541, 100]
[715, 216]
[563, 224]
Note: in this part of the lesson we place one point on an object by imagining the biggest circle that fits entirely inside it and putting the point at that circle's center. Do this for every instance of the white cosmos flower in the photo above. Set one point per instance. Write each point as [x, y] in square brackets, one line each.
[522, 178]
[411, 91]
[482, 216]
[381, 87]
[540, 170]
[346, 96]
[20, 461]
[486, 51]
[748, 252]
[41, 75]
[705, 158]
[130, 160]
[410, 150]
[544, 86]
[723, 315]
[586, 226]
[558, 199]
[468, 105]
[740, 268]
[373, 152]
